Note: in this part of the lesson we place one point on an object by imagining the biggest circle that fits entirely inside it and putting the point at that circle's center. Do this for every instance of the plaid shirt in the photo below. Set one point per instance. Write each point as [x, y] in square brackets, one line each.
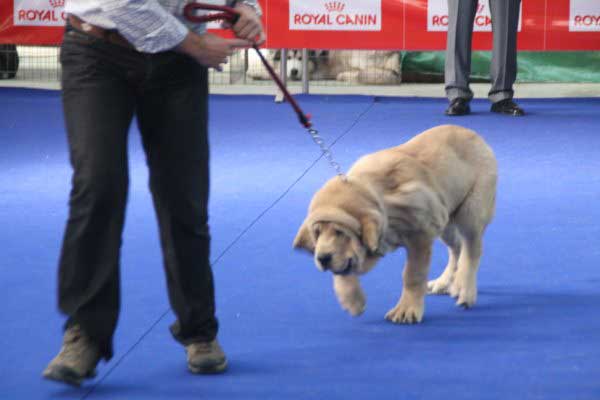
[150, 25]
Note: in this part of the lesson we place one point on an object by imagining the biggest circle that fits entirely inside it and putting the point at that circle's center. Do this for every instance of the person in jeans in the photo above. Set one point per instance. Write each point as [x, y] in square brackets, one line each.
[122, 58]
[505, 22]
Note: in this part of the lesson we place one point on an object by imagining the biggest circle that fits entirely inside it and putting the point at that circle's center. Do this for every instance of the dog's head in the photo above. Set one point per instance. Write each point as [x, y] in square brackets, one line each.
[343, 229]
[294, 63]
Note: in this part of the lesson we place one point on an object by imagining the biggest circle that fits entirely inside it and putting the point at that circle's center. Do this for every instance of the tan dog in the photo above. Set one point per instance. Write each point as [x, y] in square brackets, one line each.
[440, 183]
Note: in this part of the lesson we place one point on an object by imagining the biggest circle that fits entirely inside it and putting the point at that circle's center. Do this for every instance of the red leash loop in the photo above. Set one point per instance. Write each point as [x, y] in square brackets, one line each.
[231, 15]
[227, 13]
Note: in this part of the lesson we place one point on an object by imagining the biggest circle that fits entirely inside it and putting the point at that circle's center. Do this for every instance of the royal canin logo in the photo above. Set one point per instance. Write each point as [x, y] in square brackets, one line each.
[52, 13]
[335, 15]
[335, 6]
[587, 20]
[57, 3]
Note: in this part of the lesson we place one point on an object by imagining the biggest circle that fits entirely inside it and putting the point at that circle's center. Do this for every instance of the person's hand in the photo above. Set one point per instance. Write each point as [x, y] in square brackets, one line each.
[210, 50]
[248, 26]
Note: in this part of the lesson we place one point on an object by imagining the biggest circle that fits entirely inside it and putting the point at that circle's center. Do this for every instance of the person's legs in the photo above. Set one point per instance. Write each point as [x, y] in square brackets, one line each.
[98, 107]
[461, 14]
[503, 70]
[173, 119]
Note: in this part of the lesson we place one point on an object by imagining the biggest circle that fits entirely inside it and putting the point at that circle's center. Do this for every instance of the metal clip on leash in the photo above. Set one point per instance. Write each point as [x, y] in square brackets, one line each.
[231, 15]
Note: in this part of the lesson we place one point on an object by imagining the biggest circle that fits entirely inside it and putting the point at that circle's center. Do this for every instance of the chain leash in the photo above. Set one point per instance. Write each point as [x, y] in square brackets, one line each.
[231, 15]
[326, 152]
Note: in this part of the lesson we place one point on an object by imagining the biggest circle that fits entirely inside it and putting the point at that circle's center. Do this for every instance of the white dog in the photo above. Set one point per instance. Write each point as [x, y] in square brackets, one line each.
[368, 67]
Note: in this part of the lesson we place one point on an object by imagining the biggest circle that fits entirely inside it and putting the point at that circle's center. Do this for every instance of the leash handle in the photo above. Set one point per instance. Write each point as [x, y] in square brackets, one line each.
[231, 15]
[226, 13]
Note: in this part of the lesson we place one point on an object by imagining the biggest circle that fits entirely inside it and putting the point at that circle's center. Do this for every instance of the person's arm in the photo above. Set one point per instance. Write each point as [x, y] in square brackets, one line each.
[151, 29]
[145, 24]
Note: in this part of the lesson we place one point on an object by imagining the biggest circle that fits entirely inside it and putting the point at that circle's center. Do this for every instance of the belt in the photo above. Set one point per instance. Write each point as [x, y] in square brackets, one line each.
[110, 35]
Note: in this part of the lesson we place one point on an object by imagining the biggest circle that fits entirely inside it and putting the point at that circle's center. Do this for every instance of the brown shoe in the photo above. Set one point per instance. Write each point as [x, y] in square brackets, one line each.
[76, 360]
[206, 358]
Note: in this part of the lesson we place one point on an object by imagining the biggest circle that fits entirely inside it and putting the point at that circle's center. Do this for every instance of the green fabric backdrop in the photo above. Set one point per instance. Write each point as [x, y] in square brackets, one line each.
[553, 66]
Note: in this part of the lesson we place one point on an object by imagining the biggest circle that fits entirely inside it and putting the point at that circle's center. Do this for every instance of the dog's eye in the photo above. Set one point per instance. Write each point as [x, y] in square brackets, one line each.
[339, 233]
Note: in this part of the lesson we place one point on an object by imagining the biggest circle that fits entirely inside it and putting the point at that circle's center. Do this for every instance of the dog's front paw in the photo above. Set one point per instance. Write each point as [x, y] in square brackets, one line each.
[350, 294]
[464, 290]
[407, 311]
[355, 305]
[348, 76]
[438, 286]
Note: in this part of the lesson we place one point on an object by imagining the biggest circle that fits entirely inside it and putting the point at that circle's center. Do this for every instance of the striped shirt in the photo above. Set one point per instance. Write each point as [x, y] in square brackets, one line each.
[149, 25]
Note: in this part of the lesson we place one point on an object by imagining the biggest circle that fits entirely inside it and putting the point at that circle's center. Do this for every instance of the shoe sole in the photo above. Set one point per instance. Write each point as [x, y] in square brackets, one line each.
[67, 375]
[458, 114]
[511, 114]
[209, 370]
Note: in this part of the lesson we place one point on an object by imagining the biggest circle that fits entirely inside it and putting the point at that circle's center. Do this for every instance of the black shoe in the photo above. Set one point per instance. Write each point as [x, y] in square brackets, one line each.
[508, 107]
[458, 106]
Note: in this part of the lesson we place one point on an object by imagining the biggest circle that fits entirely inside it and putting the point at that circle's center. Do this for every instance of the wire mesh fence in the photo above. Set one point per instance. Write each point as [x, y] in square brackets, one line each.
[322, 67]
[39, 65]
[332, 67]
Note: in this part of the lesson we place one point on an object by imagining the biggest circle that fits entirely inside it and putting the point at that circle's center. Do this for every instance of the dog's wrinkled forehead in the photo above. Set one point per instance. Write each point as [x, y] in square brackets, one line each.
[323, 227]
[336, 216]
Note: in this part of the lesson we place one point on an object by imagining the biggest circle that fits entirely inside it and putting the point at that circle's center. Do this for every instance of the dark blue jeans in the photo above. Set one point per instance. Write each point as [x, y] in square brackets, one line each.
[103, 86]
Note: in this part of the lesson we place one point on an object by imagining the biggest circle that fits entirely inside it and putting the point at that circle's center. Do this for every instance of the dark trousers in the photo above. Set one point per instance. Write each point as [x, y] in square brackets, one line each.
[503, 68]
[103, 87]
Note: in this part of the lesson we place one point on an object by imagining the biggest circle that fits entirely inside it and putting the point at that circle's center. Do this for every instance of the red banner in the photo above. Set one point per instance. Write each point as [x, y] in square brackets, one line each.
[37, 22]
[573, 25]
[327, 24]
[427, 24]
[356, 24]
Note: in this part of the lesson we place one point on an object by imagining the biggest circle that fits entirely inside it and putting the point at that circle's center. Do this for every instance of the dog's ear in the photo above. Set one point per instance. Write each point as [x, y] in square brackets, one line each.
[277, 55]
[304, 239]
[371, 232]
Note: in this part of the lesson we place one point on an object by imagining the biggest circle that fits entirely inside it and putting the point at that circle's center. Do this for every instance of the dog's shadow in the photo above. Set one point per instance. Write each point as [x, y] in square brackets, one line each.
[541, 308]
[502, 315]
[165, 381]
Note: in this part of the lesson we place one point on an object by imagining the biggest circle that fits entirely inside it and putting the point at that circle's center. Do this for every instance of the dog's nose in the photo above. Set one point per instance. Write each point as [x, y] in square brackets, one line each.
[324, 260]
[294, 72]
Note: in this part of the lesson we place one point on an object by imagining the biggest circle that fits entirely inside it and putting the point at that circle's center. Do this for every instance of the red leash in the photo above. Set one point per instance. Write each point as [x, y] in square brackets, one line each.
[231, 15]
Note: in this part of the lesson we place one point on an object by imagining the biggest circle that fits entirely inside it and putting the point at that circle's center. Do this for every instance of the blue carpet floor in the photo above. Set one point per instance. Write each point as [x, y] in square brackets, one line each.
[534, 334]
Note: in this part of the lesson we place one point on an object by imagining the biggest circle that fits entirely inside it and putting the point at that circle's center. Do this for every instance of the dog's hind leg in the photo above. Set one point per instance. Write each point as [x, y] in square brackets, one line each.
[452, 239]
[471, 220]
[464, 284]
